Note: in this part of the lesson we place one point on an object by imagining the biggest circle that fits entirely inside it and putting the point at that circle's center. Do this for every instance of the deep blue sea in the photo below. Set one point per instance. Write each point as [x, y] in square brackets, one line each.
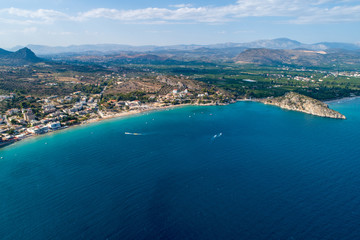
[242, 171]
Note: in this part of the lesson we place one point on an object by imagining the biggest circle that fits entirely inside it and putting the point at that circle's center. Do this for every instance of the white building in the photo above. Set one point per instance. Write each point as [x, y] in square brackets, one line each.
[54, 125]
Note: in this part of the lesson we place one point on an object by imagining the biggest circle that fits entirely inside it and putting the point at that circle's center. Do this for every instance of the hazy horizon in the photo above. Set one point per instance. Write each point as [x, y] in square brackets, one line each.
[138, 22]
[168, 45]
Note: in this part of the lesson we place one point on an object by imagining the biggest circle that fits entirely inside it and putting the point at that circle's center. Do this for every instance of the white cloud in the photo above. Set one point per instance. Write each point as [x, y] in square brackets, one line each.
[332, 15]
[296, 11]
[38, 16]
[181, 5]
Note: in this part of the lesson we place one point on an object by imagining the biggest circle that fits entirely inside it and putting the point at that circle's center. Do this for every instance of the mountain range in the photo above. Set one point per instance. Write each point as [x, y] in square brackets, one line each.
[280, 51]
[101, 49]
[299, 57]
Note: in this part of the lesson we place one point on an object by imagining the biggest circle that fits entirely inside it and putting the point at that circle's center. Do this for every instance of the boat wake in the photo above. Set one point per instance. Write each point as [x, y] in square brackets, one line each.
[216, 136]
[135, 134]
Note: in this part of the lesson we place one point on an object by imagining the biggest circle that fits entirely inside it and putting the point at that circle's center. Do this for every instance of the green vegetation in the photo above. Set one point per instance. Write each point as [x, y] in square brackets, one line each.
[264, 81]
[129, 82]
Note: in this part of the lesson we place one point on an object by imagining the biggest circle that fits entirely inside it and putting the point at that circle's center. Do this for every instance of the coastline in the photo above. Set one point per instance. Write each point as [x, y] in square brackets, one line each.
[105, 118]
[338, 100]
[138, 112]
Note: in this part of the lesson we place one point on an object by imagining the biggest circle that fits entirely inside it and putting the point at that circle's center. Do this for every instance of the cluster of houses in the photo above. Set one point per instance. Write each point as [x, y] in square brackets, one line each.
[55, 112]
[349, 74]
[17, 123]
[304, 79]
[176, 95]
[41, 129]
[13, 127]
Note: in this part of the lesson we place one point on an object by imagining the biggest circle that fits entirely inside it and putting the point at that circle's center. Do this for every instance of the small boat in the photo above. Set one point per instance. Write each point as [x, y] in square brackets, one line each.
[216, 136]
[129, 133]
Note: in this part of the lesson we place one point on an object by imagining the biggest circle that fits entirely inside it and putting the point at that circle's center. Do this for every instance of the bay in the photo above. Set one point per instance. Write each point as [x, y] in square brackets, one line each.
[242, 171]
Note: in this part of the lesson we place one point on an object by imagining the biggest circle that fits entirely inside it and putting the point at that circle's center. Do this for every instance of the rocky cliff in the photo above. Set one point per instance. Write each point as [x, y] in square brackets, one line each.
[297, 102]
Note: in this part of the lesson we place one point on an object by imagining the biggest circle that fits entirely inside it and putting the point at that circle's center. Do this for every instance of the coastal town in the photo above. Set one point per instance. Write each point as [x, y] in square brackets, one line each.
[57, 112]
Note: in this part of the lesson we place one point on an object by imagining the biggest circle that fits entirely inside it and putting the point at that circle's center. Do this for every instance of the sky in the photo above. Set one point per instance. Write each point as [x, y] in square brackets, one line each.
[141, 22]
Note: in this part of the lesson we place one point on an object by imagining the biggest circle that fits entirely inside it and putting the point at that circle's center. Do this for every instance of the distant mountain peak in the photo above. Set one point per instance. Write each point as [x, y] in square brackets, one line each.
[26, 51]
[23, 56]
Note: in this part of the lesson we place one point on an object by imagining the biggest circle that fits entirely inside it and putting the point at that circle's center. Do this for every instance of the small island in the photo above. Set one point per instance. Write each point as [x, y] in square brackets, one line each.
[297, 102]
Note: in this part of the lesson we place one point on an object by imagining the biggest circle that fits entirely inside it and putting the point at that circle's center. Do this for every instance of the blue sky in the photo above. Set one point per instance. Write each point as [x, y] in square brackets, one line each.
[140, 22]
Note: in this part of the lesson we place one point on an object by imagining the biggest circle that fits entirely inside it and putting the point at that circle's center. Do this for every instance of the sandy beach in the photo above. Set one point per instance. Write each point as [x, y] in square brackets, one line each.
[106, 117]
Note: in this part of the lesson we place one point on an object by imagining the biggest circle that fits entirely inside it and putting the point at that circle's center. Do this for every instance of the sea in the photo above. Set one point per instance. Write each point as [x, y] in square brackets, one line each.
[241, 171]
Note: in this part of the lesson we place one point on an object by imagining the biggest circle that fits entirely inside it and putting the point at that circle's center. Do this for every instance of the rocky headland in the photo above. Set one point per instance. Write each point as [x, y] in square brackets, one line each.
[297, 102]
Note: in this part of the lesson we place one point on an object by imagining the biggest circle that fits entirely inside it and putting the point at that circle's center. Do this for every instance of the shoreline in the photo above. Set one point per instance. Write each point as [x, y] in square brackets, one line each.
[105, 118]
[337, 100]
[138, 112]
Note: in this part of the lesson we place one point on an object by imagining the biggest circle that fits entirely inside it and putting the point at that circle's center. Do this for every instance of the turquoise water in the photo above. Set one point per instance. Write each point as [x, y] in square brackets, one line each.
[270, 174]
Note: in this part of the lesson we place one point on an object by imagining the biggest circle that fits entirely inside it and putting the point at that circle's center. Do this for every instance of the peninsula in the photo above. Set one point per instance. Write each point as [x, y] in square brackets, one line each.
[297, 102]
